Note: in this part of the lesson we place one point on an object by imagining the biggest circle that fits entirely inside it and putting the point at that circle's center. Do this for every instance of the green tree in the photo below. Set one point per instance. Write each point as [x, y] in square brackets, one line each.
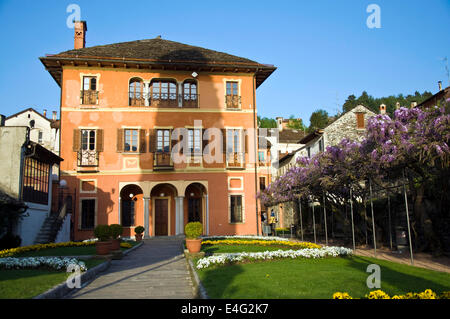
[296, 124]
[318, 120]
[265, 122]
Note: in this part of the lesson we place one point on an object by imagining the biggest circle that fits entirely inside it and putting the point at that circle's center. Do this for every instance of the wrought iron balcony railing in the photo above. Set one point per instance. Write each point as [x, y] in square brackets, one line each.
[233, 101]
[235, 160]
[162, 160]
[89, 97]
[87, 158]
[163, 100]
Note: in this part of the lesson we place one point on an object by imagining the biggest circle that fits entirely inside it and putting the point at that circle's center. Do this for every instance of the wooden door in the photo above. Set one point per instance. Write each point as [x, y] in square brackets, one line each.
[161, 216]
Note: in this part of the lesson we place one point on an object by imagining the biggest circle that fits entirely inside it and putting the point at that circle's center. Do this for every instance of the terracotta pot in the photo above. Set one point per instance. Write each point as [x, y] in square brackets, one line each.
[138, 237]
[115, 244]
[103, 247]
[194, 245]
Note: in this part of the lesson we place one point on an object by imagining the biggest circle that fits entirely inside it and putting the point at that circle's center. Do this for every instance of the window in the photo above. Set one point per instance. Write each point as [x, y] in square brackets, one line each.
[163, 93]
[262, 183]
[163, 141]
[321, 145]
[308, 149]
[190, 95]
[35, 181]
[261, 157]
[128, 212]
[232, 98]
[360, 120]
[236, 215]
[89, 92]
[233, 141]
[136, 92]
[88, 213]
[131, 140]
[195, 141]
[40, 137]
[88, 140]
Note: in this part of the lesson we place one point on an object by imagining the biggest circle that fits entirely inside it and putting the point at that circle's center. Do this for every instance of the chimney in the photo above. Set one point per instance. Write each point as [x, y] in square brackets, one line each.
[440, 85]
[397, 105]
[382, 109]
[279, 123]
[54, 115]
[80, 34]
[45, 113]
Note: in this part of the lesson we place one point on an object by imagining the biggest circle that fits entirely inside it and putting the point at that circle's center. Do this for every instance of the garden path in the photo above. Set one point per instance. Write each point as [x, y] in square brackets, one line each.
[156, 270]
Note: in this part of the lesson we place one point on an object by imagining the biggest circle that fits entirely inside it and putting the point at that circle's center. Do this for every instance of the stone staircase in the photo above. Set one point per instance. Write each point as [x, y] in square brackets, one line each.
[49, 230]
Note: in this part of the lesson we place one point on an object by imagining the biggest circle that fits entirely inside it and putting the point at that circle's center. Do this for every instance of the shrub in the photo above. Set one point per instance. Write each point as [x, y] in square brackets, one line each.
[193, 230]
[102, 232]
[139, 229]
[10, 241]
[116, 231]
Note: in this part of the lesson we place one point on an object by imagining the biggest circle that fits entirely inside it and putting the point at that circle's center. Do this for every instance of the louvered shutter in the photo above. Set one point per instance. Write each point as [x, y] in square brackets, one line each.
[120, 142]
[76, 140]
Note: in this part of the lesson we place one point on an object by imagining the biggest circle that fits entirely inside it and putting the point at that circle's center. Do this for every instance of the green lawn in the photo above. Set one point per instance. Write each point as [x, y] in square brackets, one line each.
[65, 251]
[219, 248]
[28, 283]
[316, 278]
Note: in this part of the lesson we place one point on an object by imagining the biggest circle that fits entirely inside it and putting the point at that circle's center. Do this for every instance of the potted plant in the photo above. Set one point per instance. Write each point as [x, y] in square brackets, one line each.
[116, 231]
[139, 230]
[193, 231]
[103, 245]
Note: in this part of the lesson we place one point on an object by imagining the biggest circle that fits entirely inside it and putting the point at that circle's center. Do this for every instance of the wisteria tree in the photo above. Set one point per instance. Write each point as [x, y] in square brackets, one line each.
[413, 147]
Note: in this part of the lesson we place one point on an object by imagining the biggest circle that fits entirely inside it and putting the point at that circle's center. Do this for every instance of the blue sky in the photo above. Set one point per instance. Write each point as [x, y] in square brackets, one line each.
[324, 50]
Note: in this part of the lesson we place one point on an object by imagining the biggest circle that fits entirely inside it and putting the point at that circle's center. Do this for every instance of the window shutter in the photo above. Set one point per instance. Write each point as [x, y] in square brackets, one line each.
[205, 139]
[142, 141]
[99, 140]
[224, 140]
[360, 120]
[120, 141]
[152, 143]
[245, 141]
[76, 140]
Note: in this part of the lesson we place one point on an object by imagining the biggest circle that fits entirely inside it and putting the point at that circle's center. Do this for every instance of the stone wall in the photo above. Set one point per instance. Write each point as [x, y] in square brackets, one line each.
[345, 127]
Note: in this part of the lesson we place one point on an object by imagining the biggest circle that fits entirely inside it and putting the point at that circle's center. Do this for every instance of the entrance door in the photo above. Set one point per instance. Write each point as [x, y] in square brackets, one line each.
[161, 216]
[194, 210]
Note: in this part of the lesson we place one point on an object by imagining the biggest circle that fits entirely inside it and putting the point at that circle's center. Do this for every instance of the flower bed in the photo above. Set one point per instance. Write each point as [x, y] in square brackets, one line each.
[55, 263]
[300, 245]
[245, 237]
[268, 255]
[379, 294]
[23, 249]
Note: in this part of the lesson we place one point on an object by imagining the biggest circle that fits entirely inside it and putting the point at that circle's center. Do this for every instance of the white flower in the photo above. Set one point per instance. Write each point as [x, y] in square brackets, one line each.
[56, 263]
[267, 255]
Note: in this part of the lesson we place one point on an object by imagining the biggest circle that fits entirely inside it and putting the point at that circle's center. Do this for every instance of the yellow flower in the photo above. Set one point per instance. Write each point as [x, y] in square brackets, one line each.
[341, 295]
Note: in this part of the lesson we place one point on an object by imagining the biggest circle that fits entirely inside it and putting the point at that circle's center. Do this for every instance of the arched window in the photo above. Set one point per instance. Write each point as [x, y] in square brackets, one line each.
[163, 93]
[190, 95]
[136, 92]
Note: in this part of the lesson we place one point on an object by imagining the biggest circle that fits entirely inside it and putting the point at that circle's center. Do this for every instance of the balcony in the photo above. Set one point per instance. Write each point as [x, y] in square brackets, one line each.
[233, 101]
[190, 100]
[87, 159]
[235, 160]
[162, 161]
[89, 97]
[164, 100]
[171, 100]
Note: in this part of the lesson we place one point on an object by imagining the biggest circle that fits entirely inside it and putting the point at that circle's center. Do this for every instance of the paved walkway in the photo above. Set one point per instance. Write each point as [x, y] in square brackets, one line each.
[156, 270]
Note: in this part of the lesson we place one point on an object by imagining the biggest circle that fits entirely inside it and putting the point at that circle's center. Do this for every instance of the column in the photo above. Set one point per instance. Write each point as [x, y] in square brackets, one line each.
[207, 214]
[119, 221]
[146, 93]
[146, 217]
[179, 215]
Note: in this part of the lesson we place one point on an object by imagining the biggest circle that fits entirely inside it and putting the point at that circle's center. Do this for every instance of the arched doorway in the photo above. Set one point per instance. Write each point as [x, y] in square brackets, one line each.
[163, 213]
[131, 206]
[194, 205]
